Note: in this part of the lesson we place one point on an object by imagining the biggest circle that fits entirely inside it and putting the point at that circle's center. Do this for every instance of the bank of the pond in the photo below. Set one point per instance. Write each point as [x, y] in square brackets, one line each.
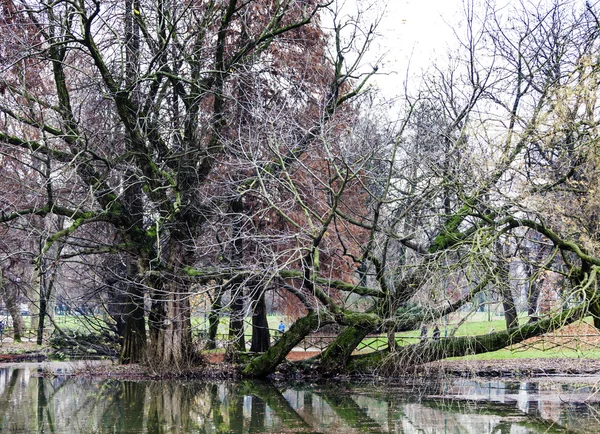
[214, 366]
[518, 367]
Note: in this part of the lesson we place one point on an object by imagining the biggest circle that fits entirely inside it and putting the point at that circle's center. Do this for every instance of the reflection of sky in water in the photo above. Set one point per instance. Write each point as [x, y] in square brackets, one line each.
[74, 405]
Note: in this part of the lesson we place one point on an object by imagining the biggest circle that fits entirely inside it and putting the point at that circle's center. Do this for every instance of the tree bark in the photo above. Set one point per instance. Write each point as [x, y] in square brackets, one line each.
[213, 320]
[170, 327]
[33, 296]
[412, 355]
[336, 355]
[9, 294]
[236, 321]
[266, 363]
[134, 336]
[508, 301]
[261, 338]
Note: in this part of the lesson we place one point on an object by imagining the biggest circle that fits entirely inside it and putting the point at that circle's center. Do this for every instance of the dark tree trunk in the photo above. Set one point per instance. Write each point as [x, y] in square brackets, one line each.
[510, 310]
[508, 302]
[236, 321]
[213, 320]
[134, 336]
[261, 338]
[533, 295]
[534, 257]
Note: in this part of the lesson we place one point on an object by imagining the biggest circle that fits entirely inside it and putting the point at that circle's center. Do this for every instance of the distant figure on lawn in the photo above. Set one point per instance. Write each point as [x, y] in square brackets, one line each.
[436, 333]
[281, 327]
[423, 333]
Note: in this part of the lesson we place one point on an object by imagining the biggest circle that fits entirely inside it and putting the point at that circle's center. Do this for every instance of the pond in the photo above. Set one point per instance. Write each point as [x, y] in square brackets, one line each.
[30, 403]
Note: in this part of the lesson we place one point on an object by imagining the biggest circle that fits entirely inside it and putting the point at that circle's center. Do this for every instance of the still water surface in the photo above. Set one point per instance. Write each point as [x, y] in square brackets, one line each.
[30, 403]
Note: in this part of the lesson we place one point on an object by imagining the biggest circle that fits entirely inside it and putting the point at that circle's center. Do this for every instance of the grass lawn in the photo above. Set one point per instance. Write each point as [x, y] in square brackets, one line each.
[477, 324]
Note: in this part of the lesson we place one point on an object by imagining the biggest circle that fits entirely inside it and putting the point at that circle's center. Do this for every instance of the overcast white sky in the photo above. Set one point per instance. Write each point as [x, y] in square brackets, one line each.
[415, 31]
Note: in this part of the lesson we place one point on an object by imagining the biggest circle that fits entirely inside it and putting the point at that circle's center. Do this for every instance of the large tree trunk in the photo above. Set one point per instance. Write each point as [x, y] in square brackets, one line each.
[134, 333]
[261, 338]
[10, 295]
[236, 322]
[170, 327]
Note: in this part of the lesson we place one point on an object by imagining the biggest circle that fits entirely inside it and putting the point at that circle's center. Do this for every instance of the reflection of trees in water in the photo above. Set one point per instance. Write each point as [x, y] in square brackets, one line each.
[79, 405]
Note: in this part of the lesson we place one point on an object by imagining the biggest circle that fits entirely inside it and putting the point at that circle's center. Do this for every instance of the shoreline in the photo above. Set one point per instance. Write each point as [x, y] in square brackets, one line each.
[510, 369]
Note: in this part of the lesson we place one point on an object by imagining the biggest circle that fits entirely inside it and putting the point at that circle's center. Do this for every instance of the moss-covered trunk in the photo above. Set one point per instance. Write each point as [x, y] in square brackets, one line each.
[337, 354]
[430, 351]
[266, 363]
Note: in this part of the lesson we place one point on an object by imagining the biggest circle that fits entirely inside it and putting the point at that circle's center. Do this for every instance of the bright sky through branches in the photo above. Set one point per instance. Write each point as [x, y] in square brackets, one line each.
[415, 33]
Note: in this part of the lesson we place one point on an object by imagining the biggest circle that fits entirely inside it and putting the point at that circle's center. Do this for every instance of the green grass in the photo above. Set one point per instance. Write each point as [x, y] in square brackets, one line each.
[477, 324]
[507, 354]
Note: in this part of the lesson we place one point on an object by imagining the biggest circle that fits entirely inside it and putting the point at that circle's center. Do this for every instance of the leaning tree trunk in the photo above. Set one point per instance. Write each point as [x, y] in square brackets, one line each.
[266, 363]
[336, 355]
[412, 355]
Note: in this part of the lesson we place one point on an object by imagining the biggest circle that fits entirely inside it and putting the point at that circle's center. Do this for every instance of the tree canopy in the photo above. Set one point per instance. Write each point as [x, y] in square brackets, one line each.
[156, 152]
